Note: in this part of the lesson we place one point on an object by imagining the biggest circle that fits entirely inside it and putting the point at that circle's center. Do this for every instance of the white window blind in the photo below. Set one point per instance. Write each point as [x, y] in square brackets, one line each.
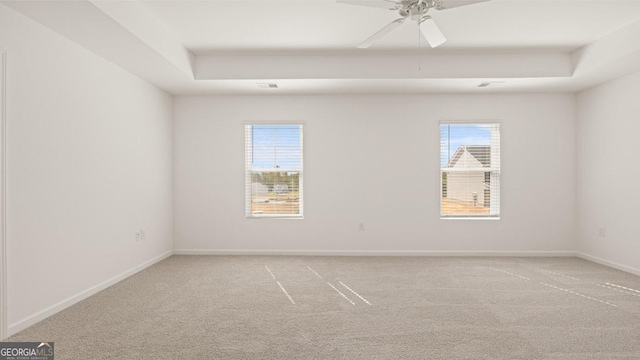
[470, 170]
[273, 177]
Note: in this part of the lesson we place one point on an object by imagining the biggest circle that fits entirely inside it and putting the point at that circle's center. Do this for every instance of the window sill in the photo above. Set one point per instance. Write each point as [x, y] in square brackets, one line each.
[281, 217]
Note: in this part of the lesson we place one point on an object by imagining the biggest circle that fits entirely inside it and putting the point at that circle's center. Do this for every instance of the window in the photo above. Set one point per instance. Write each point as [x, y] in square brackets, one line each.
[273, 178]
[470, 170]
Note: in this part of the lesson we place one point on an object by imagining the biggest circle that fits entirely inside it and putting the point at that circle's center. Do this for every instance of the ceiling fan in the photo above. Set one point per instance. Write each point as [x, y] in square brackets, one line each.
[416, 10]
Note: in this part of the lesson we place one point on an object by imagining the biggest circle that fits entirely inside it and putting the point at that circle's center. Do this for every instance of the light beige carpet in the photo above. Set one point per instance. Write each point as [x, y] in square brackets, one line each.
[208, 307]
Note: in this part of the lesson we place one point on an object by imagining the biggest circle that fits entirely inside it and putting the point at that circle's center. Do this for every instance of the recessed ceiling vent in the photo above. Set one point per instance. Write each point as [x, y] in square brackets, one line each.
[489, 83]
[267, 85]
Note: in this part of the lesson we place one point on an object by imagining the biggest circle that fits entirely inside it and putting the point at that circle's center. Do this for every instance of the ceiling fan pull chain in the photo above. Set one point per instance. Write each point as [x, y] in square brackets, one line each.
[419, 47]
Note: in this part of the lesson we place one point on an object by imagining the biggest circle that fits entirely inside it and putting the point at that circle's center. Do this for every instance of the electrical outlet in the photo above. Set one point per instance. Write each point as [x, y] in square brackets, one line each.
[602, 231]
[143, 234]
[361, 226]
[138, 235]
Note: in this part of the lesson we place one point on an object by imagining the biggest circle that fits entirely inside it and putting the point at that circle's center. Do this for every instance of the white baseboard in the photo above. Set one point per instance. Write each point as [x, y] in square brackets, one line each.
[37, 317]
[608, 263]
[372, 253]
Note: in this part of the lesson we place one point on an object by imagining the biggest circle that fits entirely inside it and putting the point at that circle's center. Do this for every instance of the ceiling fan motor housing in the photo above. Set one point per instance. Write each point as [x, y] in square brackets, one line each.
[416, 9]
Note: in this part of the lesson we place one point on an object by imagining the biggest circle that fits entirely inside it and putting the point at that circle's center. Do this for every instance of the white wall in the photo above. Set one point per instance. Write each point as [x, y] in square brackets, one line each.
[375, 159]
[608, 127]
[3, 252]
[89, 163]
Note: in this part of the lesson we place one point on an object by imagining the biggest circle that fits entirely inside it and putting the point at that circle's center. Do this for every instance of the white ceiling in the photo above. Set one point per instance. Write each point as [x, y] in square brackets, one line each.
[309, 46]
[214, 26]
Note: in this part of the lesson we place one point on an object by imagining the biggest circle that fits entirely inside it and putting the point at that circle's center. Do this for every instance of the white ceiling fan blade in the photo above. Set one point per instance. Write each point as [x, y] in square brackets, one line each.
[382, 4]
[381, 33]
[432, 33]
[448, 4]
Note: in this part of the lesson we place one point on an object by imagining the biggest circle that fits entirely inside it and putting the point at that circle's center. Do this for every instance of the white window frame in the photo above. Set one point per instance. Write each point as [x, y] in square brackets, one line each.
[249, 170]
[495, 188]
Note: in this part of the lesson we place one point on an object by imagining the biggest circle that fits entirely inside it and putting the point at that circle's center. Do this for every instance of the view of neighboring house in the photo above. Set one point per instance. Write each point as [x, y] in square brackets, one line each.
[469, 187]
